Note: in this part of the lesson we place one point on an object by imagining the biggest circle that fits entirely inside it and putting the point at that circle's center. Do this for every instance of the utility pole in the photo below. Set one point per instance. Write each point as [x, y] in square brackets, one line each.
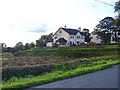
[1, 57]
[1, 50]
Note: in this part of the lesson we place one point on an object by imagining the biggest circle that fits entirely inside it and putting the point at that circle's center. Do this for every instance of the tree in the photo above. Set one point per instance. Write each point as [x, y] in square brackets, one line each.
[105, 29]
[27, 46]
[19, 46]
[117, 21]
[42, 41]
[117, 7]
[11, 49]
[32, 45]
[87, 35]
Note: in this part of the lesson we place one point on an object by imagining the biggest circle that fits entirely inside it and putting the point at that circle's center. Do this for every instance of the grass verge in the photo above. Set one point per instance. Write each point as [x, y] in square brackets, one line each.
[16, 83]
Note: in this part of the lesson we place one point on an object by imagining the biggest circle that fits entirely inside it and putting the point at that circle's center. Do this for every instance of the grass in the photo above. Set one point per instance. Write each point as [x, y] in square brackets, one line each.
[16, 83]
[70, 62]
[15, 67]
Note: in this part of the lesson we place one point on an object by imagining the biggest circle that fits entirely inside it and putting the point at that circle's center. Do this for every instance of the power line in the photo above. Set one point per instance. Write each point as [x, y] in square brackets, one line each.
[104, 3]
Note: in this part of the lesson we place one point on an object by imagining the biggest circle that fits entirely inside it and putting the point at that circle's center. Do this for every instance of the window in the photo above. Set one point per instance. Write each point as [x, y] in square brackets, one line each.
[71, 36]
[78, 37]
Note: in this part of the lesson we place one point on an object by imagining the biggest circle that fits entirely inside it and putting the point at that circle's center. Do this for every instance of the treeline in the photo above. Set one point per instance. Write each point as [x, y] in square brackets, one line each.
[41, 42]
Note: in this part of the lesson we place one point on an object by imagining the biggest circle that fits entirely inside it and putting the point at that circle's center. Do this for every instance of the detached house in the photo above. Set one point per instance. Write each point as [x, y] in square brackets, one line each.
[95, 38]
[67, 37]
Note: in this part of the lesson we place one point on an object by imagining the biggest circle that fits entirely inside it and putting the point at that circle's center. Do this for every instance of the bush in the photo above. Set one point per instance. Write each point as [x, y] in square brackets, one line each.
[24, 71]
[72, 52]
[55, 45]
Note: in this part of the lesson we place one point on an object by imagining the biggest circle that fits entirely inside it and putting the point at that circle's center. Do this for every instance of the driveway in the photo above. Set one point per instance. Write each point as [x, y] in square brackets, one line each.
[107, 78]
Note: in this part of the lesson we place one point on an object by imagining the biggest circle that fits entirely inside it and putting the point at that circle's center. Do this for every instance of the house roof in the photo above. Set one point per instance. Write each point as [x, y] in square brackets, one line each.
[61, 40]
[69, 31]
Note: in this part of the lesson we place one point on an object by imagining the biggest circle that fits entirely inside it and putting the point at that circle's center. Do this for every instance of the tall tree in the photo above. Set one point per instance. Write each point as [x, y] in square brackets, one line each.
[87, 35]
[105, 29]
[117, 21]
[117, 7]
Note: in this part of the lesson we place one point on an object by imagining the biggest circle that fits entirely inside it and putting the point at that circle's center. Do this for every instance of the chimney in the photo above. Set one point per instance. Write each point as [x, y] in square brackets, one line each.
[79, 29]
[65, 26]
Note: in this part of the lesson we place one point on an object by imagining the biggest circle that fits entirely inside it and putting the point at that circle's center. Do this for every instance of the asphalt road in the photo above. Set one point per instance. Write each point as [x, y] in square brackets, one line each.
[107, 78]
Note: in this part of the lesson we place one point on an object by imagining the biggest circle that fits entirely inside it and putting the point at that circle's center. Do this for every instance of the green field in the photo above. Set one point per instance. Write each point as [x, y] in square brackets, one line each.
[38, 66]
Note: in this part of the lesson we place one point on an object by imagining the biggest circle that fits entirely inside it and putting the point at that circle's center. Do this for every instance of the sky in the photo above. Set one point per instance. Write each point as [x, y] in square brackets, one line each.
[26, 20]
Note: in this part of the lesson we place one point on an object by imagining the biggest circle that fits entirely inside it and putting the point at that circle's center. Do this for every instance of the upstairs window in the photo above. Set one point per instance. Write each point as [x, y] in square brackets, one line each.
[71, 36]
[78, 37]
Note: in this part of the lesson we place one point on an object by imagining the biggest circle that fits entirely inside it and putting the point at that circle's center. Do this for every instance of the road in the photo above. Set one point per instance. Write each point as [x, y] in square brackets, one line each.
[107, 78]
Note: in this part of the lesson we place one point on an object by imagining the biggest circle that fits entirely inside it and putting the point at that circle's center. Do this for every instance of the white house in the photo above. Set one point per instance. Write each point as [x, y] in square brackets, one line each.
[67, 37]
[95, 38]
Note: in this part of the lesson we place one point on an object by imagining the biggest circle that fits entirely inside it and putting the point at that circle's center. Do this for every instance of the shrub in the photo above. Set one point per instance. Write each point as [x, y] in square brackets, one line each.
[24, 71]
[55, 45]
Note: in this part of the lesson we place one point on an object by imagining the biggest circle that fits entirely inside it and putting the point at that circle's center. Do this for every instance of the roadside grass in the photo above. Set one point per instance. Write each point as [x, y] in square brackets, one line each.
[14, 69]
[16, 83]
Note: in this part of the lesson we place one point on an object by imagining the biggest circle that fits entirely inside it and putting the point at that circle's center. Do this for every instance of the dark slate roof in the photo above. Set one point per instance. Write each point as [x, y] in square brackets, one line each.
[49, 40]
[61, 40]
[71, 31]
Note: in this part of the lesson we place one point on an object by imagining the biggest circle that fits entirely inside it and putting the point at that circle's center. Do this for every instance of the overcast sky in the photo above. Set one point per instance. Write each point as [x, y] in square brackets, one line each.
[26, 20]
